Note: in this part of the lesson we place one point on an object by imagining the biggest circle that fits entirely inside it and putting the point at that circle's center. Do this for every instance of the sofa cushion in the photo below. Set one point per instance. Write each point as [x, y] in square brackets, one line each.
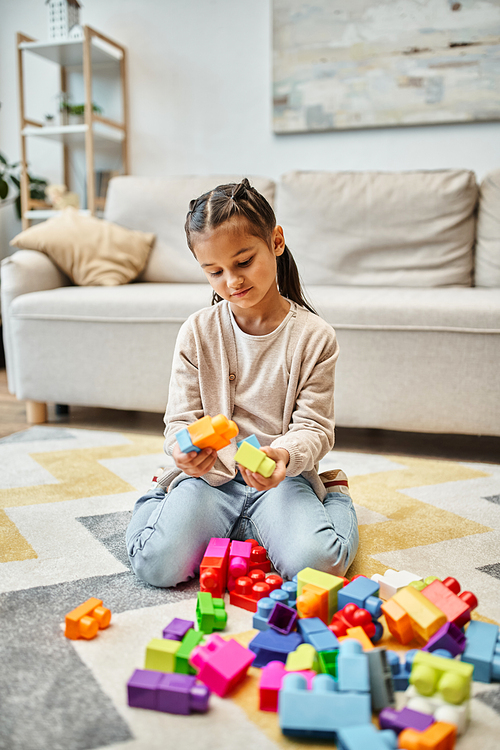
[405, 229]
[160, 206]
[88, 250]
[488, 232]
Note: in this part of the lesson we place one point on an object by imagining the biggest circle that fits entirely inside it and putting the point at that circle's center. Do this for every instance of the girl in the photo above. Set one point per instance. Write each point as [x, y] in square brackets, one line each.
[261, 356]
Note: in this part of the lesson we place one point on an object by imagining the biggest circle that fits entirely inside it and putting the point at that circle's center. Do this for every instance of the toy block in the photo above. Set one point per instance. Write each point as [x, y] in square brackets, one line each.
[421, 584]
[264, 608]
[445, 595]
[352, 667]
[320, 712]
[259, 559]
[405, 718]
[142, 687]
[449, 637]
[315, 632]
[303, 658]
[327, 662]
[160, 654]
[439, 736]
[210, 613]
[392, 581]
[352, 616]
[274, 581]
[431, 674]
[239, 562]
[290, 588]
[363, 592]
[438, 708]
[185, 443]
[367, 736]
[282, 618]
[482, 650]
[269, 646]
[401, 670]
[381, 683]
[170, 693]
[252, 439]
[358, 634]
[246, 594]
[221, 664]
[254, 459]
[317, 594]
[213, 567]
[398, 622]
[177, 629]
[425, 617]
[85, 621]
[271, 678]
[212, 432]
[191, 639]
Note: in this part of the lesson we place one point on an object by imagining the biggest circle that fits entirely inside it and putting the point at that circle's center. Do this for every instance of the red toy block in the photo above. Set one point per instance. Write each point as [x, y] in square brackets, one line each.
[221, 664]
[259, 560]
[86, 620]
[274, 581]
[246, 593]
[239, 562]
[352, 616]
[439, 736]
[213, 568]
[447, 597]
[212, 432]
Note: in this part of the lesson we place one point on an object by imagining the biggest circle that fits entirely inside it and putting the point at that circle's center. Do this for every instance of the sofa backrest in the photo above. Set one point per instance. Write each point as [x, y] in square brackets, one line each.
[408, 229]
[160, 206]
[488, 232]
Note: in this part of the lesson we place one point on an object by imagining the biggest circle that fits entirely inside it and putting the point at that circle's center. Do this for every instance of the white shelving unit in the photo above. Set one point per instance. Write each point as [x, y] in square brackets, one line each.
[96, 132]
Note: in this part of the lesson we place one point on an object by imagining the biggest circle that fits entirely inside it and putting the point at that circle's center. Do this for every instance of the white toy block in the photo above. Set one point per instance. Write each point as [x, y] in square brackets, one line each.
[392, 581]
[438, 708]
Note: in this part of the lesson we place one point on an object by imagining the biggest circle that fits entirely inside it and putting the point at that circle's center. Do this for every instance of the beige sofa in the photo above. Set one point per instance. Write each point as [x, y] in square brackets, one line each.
[405, 266]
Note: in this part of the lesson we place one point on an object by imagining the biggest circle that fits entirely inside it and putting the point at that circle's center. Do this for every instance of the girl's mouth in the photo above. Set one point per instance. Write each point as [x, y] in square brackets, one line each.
[242, 293]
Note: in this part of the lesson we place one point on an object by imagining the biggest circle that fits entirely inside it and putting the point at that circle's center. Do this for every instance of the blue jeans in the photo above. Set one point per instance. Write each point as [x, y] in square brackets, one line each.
[169, 532]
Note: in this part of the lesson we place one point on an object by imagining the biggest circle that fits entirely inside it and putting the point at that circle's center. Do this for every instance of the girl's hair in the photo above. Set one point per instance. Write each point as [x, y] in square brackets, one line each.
[243, 201]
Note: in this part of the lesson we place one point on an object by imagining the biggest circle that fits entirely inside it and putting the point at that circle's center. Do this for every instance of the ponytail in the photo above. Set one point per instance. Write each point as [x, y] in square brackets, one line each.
[289, 283]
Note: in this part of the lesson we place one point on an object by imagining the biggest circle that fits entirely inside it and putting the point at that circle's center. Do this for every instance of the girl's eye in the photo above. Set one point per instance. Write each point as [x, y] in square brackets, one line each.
[245, 263]
[215, 273]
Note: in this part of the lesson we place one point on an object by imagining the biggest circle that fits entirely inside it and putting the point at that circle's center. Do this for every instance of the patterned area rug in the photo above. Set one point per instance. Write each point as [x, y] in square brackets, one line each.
[65, 501]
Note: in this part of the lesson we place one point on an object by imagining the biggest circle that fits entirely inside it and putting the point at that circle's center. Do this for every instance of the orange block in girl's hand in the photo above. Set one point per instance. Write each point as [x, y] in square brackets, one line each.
[212, 432]
[87, 619]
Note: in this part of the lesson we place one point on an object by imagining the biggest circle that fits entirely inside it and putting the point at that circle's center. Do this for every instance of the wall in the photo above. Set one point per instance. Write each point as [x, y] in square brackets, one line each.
[200, 97]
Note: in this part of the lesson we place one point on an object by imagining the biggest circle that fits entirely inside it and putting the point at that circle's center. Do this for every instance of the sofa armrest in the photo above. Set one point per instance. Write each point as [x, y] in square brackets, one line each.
[23, 272]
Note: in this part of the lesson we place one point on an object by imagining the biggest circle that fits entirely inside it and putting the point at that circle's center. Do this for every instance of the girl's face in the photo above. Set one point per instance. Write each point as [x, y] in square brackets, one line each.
[240, 267]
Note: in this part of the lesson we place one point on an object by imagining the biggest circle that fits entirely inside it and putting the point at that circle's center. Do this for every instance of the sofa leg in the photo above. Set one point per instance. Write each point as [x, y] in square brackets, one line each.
[36, 412]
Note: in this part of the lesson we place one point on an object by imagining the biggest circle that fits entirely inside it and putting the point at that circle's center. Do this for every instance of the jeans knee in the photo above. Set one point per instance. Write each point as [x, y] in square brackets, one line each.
[154, 569]
[328, 556]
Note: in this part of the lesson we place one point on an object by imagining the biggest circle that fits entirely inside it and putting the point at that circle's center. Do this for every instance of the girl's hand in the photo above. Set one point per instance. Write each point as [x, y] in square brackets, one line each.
[194, 464]
[256, 480]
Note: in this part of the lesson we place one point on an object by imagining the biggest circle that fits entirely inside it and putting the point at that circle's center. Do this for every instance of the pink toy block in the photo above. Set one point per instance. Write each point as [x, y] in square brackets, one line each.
[239, 562]
[271, 678]
[221, 664]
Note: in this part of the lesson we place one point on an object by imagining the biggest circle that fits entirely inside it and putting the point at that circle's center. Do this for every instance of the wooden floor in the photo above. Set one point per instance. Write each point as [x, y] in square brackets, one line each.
[458, 447]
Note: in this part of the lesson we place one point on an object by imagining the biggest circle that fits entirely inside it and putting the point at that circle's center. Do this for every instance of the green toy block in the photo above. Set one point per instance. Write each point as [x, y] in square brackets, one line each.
[304, 657]
[210, 613]
[325, 581]
[254, 459]
[435, 674]
[191, 639]
[160, 654]
[328, 662]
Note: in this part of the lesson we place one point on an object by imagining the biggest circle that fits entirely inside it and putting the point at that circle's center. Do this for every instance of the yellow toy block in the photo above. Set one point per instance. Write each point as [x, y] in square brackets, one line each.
[212, 432]
[308, 577]
[426, 618]
[304, 657]
[359, 635]
[254, 459]
[160, 654]
[434, 674]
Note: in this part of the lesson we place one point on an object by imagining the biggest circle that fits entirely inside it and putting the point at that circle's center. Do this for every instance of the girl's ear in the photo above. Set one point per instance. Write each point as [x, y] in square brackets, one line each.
[278, 240]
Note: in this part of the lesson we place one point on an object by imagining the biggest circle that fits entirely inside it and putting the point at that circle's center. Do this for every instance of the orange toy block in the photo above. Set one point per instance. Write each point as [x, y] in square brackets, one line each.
[86, 620]
[212, 432]
[398, 621]
[439, 736]
[358, 634]
[313, 602]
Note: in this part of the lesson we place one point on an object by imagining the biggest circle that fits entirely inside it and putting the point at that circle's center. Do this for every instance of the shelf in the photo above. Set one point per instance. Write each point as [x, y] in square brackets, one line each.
[70, 51]
[75, 134]
[48, 213]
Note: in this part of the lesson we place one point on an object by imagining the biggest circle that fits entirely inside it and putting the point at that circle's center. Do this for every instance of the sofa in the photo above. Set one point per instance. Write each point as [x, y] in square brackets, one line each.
[404, 265]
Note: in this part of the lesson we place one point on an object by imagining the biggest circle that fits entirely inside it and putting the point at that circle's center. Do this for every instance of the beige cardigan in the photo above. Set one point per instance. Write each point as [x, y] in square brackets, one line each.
[204, 378]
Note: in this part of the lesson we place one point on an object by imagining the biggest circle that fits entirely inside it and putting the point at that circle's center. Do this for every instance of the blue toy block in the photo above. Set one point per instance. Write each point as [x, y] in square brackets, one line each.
[381, 683]
[291, 589]
[320, 712]
[366, 737]
[252, 439]
[362, 591]
[482, 650]
[352, 667]
[278, 595]
[264, 608]
[268, 645]
[183, 438]
[314, 631]
[400, 670]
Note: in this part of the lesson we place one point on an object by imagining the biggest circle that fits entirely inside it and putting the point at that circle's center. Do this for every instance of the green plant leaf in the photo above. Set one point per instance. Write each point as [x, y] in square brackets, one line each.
[4, 189]
[3, 159]
[18, 206]
[16, 181]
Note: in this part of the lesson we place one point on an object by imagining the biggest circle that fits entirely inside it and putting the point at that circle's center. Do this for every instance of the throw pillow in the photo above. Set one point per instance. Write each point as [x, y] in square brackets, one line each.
[90, 251]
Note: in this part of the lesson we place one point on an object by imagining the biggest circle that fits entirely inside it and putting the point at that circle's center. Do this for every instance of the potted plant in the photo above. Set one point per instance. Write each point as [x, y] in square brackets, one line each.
[10, 176]
[74, 114]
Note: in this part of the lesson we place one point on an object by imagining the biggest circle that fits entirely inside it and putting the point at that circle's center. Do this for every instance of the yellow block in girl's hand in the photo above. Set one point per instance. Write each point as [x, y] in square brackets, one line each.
[254, 459]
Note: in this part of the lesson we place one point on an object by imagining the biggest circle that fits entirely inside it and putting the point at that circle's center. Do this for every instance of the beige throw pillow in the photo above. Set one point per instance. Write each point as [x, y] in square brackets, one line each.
[488, 232]
[90, 251]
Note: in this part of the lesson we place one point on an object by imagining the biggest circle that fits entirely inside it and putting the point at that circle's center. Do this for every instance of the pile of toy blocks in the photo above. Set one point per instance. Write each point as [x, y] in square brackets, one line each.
[321, 670]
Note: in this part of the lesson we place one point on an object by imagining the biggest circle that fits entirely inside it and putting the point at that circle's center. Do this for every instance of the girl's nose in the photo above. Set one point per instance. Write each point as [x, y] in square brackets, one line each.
[235, 281]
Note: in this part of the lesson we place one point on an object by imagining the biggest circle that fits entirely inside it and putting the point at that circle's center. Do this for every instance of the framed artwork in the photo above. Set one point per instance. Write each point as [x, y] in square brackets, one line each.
[377, 63]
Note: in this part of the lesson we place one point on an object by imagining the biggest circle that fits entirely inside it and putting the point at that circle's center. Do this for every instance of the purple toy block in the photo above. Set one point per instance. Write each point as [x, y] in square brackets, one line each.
[142, 688]
[181, 694]
[406, 718]
[177, 629]
[282, 618]
[448, 637]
